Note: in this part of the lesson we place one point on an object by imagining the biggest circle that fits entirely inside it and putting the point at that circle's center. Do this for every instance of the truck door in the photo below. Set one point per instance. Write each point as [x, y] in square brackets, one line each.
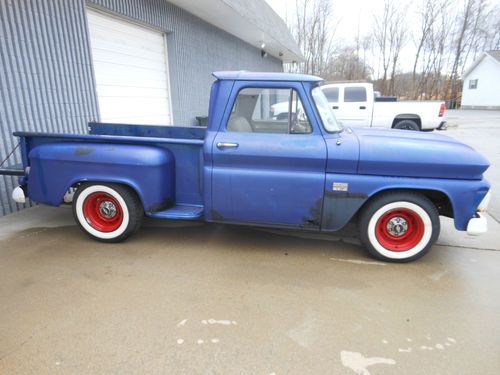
[355, 107]
[268, 170]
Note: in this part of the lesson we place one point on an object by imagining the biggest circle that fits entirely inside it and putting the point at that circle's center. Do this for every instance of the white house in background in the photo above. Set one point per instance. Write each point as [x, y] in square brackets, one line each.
[482, 83]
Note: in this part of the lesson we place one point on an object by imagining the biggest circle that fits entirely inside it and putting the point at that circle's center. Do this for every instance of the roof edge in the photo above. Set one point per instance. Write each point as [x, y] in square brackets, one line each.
[244, 75]
[478, 60]
[254, 22]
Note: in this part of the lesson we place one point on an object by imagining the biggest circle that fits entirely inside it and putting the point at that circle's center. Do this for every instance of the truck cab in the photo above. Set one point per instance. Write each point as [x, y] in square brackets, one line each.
[259, 164]
[351, 102]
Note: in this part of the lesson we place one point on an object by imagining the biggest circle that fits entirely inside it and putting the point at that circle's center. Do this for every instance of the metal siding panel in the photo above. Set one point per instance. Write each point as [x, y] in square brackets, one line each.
[47, 80]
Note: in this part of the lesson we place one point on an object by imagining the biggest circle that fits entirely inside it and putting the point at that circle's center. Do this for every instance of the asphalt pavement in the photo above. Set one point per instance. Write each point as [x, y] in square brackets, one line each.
[196, 298]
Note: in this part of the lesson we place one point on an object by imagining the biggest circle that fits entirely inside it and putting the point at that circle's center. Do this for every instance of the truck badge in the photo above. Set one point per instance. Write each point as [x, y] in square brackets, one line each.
[340, 186]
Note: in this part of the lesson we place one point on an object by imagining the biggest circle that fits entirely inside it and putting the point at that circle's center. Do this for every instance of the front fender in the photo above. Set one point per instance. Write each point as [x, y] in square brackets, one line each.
[340, 206]
[55, 167]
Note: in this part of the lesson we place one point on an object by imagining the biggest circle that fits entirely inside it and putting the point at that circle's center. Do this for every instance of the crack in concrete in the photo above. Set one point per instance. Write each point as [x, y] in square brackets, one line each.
[468, 247]
[12, 351]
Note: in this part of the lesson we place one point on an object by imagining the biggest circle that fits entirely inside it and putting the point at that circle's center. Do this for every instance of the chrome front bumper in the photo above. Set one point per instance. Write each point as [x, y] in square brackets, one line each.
[477, 225]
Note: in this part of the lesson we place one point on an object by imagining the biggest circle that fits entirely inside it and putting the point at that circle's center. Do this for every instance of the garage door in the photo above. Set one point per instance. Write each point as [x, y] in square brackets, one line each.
[131, 71]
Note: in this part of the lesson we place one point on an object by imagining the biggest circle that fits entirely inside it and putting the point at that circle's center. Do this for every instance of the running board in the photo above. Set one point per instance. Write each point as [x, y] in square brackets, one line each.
[179, 211]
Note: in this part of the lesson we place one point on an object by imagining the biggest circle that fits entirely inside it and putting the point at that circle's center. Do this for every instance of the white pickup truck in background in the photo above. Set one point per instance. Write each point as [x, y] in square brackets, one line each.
[355, 104]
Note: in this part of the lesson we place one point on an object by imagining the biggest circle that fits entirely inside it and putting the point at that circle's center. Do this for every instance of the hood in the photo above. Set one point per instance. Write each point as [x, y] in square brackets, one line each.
[403, 153]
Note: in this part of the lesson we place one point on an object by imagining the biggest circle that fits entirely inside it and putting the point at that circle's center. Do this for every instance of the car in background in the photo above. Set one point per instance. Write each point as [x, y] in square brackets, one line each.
[356, 104]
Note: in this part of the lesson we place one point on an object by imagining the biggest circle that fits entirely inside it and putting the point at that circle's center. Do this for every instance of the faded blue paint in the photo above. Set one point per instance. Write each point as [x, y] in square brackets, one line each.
[148, 170]
[283, 180]
[261, 179]
[186, 174]
[340, 207]
[383, 151]
[184, 132]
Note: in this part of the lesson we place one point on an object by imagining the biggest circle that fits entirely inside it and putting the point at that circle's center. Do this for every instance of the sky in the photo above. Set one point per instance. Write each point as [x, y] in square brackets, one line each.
[348, 14]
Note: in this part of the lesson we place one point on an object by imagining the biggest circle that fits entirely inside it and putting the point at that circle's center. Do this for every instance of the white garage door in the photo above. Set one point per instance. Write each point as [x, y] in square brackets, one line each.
[131, 71]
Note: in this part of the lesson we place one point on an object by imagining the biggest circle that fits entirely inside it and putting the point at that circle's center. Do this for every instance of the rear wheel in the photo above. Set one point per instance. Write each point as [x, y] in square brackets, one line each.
[407, 125]
[399, 226]
[107, 212]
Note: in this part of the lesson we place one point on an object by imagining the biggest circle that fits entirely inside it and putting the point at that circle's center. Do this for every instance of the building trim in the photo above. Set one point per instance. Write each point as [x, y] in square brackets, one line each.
[477, 62]
[254, 22]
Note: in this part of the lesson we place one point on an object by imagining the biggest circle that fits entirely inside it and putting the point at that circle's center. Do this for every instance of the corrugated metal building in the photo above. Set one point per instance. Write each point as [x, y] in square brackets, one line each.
[65, 63]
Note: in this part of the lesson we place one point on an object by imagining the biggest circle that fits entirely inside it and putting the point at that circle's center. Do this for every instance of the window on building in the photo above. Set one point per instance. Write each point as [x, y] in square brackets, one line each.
[332, 94]
[354, 94]
[472, 84]
[266, 110]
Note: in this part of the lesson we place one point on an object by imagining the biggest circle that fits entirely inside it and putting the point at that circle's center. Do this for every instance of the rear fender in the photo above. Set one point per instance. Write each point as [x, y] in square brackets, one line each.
[148, 170]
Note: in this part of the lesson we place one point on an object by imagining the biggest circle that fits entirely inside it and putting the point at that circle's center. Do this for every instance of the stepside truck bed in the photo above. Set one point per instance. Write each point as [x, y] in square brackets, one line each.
[116, 153]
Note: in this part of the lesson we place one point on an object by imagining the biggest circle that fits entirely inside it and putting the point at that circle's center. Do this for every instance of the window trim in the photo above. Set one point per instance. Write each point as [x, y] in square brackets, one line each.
[473, 82]
[289, 88]
[318, 116]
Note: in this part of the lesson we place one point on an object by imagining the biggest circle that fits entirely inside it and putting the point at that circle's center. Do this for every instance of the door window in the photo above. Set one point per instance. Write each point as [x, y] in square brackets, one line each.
[332, 94]
[355, 94]
[268, 110]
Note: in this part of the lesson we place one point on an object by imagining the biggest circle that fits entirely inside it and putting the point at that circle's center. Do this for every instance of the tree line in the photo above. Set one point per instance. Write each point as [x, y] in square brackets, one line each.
[445, 36]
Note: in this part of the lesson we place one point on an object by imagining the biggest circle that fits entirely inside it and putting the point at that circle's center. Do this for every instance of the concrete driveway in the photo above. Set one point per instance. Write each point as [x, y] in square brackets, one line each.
[194, 298]
[481, 130]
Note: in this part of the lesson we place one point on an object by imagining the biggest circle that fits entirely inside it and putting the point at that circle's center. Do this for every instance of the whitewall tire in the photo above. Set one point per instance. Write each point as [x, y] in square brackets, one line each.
[107, 212]
[399, 226]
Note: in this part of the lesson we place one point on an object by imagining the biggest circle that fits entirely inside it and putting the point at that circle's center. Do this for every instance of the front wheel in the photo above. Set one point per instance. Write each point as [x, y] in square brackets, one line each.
[399, 226]
[107, 212]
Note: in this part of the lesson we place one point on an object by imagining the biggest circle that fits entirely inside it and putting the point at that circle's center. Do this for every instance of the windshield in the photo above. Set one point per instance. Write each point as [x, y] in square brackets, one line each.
[330, 123]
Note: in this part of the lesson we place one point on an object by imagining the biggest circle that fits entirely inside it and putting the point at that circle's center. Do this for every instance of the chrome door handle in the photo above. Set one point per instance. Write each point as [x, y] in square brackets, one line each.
[223, 145]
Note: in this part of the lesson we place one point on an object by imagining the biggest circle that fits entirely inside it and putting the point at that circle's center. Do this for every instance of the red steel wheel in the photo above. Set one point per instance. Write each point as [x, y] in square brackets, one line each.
[103, 212]
[399, 229]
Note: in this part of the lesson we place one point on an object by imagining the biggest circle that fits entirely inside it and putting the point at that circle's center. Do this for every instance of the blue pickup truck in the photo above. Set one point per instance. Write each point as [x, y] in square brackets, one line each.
[302, 171]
